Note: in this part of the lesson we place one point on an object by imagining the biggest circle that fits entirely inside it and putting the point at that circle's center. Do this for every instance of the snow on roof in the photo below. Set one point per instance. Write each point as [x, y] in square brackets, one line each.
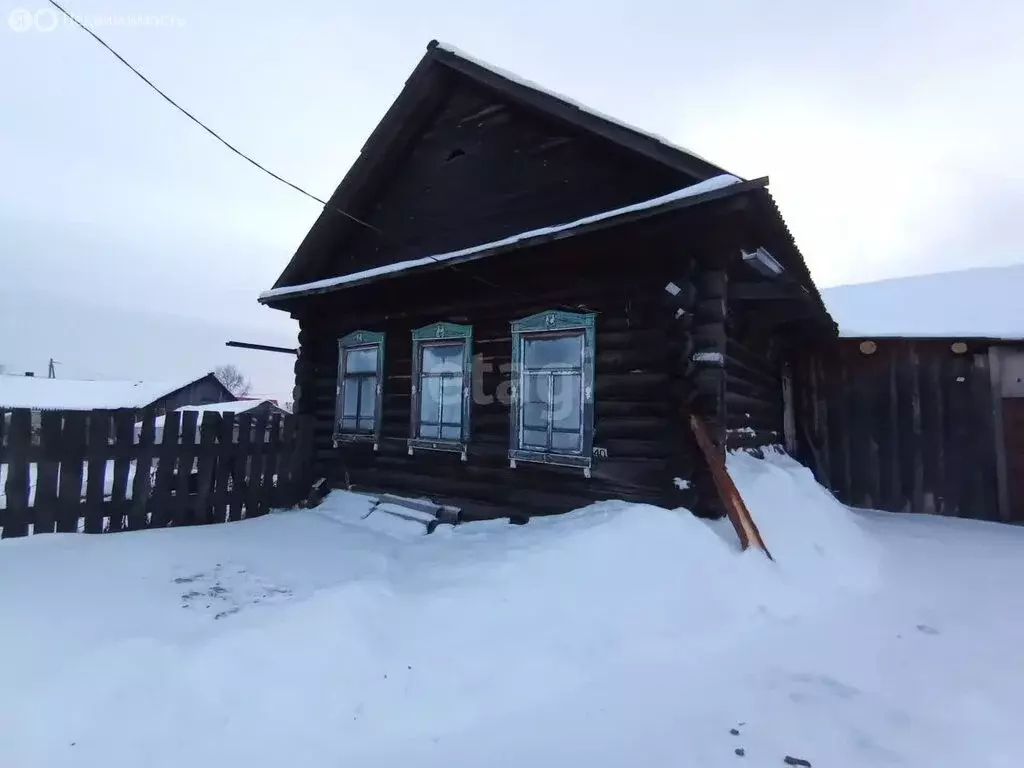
[572, 102]
[973, 303]
[717, 182]
[82, 395]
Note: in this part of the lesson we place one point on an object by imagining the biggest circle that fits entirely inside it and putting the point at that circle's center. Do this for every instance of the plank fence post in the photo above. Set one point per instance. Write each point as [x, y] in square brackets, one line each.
[181, 507]
[142, 486]
[44, 502]
[254, 505]
[206, 466]
[73, 452]
[160, 515]
[97, 453]
[222, 470]
[19, 444]
[124, 448]
[240, 467]
[271, 485]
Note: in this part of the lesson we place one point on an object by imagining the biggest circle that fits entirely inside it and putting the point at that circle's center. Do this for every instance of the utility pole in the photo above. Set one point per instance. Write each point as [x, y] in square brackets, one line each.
[52, 371]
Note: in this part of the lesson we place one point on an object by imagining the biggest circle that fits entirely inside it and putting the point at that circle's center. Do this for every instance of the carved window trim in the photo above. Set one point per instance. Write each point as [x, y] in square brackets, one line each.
[551, 324]
[358, 340]
[441, 334]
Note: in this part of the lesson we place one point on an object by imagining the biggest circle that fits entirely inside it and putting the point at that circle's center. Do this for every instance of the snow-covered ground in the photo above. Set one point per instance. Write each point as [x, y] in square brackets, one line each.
[617, 635]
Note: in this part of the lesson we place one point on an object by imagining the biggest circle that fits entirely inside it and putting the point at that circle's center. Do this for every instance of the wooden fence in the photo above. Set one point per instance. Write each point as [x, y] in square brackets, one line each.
[100, 471]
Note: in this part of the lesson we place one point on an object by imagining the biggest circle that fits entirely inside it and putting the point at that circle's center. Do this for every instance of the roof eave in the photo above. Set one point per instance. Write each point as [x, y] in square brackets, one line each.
[528, 242]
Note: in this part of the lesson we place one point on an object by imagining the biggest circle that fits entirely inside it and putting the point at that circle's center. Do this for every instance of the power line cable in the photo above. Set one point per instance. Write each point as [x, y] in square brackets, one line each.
[261, 167]
[203, 125]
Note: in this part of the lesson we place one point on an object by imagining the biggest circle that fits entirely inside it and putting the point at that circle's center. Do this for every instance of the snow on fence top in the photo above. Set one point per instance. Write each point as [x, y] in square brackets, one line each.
[42, 394]
[710, 185]
[983, 303]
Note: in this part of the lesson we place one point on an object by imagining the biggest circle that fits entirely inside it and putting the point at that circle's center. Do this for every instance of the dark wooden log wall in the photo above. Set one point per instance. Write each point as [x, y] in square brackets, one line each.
[907, 429]
[753, 380]
[641, 438]
[706, 373]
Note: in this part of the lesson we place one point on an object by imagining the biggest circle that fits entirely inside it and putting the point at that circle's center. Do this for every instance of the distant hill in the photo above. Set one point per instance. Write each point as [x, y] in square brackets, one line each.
[987, 302]
[90, 340]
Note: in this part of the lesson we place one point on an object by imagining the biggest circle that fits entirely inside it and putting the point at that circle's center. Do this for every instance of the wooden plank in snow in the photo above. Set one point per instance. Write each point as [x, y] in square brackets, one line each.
[737, 511]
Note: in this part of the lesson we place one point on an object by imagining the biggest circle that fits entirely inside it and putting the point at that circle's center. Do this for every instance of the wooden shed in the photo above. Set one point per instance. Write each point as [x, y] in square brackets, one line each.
[512, 304]
[919, 407]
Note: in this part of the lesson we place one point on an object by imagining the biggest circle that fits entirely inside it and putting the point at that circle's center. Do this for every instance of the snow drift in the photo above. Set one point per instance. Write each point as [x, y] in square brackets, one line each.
[617, 634]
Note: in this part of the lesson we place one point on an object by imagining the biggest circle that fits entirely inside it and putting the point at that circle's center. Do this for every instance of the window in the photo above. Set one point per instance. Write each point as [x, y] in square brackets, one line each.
[360, 364]
[441, 371]
[552, 390]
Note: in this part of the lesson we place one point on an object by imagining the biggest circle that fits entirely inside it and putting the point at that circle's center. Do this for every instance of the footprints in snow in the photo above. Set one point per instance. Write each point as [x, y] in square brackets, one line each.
[225, 590]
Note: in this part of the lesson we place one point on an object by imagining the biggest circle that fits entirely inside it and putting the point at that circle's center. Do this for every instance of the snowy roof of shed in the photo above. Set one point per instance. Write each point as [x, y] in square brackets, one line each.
[982, 303]
[713, 188]
[43, 394]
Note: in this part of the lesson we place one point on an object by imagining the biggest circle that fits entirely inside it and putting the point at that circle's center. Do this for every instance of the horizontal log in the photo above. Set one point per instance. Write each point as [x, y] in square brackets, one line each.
[766, 290]
[711, 282]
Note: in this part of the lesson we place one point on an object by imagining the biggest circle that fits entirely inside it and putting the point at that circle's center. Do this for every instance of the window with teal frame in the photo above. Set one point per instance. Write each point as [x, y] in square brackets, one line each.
[442, 367]
[552, 403]
[360, 388]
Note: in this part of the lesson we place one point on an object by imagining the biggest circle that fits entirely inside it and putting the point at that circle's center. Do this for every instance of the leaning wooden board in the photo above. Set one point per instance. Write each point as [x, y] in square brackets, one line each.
[738, 513]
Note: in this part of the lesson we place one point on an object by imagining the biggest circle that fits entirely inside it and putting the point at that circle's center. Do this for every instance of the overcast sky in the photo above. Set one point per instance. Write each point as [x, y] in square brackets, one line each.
[889, 128]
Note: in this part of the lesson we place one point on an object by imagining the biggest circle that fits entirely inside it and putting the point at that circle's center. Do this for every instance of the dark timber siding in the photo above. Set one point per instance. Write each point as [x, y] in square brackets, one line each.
[483, 169]
[907, 429]
[753, 382]
[641, 439]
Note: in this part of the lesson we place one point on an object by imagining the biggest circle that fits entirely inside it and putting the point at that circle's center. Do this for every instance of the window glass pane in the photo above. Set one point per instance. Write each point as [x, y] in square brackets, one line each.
[350, 396]
[348, 425]
[361, 360]
[558, 351]
[565, 441]
[428, 430]
[534, 438]
[366, 425]
[536, 388]
[451, 433]
[442, 358]
[566, 400]
[535, 415]
[451, 399]
[368, 397]
[430, 399]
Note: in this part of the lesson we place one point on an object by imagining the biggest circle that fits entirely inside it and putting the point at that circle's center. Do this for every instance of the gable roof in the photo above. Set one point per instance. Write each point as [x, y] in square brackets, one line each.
[42, 394]
[981, 303]
[424, 90]
[712, 189]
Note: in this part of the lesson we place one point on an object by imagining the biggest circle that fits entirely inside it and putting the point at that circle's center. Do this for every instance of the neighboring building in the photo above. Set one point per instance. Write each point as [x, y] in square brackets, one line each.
[920, 405]
[41, 394]
[513, 304]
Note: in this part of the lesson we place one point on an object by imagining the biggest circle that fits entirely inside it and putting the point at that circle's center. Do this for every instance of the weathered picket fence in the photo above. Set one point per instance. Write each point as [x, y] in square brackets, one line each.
[101, 471]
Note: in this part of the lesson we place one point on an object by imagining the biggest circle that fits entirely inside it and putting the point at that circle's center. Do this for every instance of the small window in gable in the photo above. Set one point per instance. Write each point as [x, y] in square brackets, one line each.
[442, 360]
[359, 394]
[552, 389]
